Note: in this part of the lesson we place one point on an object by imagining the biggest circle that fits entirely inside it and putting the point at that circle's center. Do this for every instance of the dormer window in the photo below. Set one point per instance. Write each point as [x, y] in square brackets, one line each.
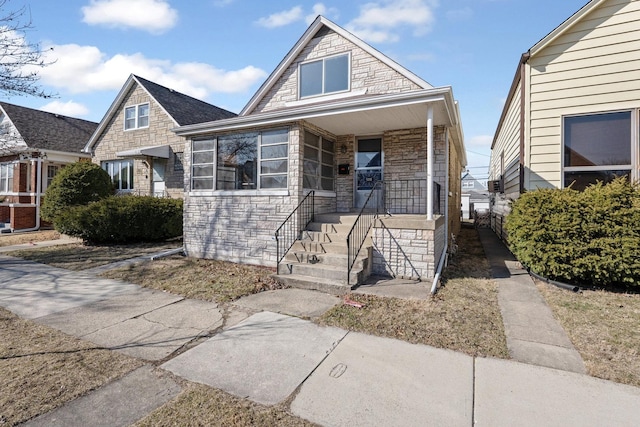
[324, 76]
[136, 116]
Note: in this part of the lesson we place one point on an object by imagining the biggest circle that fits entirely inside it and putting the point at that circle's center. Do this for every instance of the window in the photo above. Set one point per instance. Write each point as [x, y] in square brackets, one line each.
[244, 161]
[318, 169]
[52, 171]
[136, 116]
[6, 177]
[121, 173]
[597, 147]
[467, 184]
[327, 75]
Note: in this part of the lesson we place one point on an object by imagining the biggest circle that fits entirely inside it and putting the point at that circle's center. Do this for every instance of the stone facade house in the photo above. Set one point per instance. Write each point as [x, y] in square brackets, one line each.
[573, 110]
[134, 142]
[336, 130]
[34, 145]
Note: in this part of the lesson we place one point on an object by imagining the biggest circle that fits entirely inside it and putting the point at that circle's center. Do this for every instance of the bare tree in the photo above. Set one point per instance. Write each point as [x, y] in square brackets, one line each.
[19, 59]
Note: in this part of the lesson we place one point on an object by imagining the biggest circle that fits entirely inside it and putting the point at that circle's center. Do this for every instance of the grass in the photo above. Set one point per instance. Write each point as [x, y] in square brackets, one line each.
[463, 316]
[78, 257]
[9, 239]
[43, 368]
[200, 405]
[604, 327]
[208, 280]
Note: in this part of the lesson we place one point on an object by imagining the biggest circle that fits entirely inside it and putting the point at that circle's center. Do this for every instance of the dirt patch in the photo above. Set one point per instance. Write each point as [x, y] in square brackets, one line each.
[208, 280]
[604, 327]
[200, 405]
[43, 368]
[463, 316]
[78, 256]
[9, 239]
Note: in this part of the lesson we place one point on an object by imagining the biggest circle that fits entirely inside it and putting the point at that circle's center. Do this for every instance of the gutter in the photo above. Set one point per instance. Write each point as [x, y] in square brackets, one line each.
[443, 256]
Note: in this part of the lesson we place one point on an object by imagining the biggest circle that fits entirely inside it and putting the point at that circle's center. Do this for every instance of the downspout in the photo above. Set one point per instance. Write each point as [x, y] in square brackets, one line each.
[430, 160]
[38, 162]
[443, 256]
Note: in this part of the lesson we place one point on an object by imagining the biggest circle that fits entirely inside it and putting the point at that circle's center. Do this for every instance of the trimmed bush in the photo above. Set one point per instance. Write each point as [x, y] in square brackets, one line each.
[76, 184]
[588, 238]
[124, 219]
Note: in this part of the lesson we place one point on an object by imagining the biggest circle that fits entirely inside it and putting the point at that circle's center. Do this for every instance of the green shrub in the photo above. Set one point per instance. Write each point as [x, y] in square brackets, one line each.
[124, 219]
[589, 238]
[76, 184]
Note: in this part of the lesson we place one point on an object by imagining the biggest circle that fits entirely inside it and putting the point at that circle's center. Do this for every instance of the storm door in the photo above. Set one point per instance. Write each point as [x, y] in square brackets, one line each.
[369, 161]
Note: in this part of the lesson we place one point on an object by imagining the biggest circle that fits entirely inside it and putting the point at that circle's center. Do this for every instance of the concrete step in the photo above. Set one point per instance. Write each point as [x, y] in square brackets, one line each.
[336, 218]
[314, 283]
[337, 260]
[319, 236]
[325, 227]
[318, 271]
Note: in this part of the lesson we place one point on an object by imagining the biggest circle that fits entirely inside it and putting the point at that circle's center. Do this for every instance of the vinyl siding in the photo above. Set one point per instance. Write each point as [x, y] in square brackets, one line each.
[590, 68]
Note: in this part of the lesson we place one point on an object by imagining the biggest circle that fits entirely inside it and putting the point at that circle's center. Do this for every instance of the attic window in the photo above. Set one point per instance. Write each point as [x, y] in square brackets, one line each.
[327, 75]
[136, 116]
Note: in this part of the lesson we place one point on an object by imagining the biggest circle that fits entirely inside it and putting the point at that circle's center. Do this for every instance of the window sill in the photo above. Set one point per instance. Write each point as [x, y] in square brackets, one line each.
[248, 193]
[321, 193]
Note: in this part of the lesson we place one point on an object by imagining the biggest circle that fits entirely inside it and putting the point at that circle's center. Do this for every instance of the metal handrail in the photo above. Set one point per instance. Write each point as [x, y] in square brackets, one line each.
[358, 233]
[292, 227]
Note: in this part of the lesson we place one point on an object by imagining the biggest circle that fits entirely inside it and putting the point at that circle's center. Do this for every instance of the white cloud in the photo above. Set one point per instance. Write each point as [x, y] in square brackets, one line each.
[154, 16]
[281, 19]
[321, 9]
[379, 22]
[83, 69]
[69, 108]
[463, 14]
[479, 141]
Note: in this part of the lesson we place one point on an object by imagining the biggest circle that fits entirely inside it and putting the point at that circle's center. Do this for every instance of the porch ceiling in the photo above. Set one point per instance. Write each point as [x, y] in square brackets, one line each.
[378, 120]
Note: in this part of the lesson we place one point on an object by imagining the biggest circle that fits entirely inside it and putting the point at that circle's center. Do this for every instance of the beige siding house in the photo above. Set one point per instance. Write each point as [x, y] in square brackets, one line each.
[134, 141]
[572, 114]
[338, 129]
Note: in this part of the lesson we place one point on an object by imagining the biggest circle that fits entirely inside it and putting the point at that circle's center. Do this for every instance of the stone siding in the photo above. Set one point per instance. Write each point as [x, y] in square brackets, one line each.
[367, 72]
[407, 247]
[114, 139]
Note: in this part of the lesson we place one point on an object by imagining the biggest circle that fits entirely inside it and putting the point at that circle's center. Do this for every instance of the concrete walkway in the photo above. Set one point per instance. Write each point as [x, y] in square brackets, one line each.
[64, 240]
[327, 375]
[533, 334]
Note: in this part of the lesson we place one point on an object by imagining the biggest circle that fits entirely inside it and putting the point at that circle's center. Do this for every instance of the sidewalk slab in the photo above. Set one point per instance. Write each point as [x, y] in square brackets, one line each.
[533, 335]
[510, 393]
[369, 380]
[40, 244]
[293, 302]
[33, 290]
[264, 358]
[120, 403]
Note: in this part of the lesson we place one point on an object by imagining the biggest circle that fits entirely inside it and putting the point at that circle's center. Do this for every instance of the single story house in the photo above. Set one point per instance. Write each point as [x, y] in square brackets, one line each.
[573, 110]
[134, 142]
[34, 145]
[337, 129]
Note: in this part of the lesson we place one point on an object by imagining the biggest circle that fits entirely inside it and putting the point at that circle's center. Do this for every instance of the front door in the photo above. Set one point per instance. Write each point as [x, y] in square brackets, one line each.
[368, 163]
[159, 166]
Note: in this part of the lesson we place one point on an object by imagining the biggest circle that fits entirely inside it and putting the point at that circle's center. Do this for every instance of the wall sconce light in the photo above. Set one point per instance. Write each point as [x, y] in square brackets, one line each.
[343, 149]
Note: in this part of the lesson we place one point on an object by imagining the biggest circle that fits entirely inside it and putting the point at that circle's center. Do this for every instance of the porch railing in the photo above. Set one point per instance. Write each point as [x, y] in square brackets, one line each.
[361, 227]
[292, 227]
[409, 196]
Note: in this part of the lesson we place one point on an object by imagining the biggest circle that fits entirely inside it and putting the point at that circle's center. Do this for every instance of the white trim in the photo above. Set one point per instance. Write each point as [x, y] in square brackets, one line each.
[227, 193]
[136, 117]
[324, 98]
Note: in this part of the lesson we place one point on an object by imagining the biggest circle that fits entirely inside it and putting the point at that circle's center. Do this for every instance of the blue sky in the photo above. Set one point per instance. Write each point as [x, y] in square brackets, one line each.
[222, 50]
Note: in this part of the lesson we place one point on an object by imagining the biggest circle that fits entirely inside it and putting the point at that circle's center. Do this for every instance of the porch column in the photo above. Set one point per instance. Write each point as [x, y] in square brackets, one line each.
[430, 157]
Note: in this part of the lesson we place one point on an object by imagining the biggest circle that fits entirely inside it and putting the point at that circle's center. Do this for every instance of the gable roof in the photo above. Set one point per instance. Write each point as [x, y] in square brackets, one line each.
[49, 131]
[182, 109]
[317, 25]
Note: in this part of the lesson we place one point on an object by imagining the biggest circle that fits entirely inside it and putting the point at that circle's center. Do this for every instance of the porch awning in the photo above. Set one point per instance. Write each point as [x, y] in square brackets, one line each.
[162, 151]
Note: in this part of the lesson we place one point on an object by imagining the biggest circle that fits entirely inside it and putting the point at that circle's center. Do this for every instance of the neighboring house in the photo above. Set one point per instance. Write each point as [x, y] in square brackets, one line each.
[333, 119]
[475, 196]
[572, 113]
[134, 142]
[34, 145]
